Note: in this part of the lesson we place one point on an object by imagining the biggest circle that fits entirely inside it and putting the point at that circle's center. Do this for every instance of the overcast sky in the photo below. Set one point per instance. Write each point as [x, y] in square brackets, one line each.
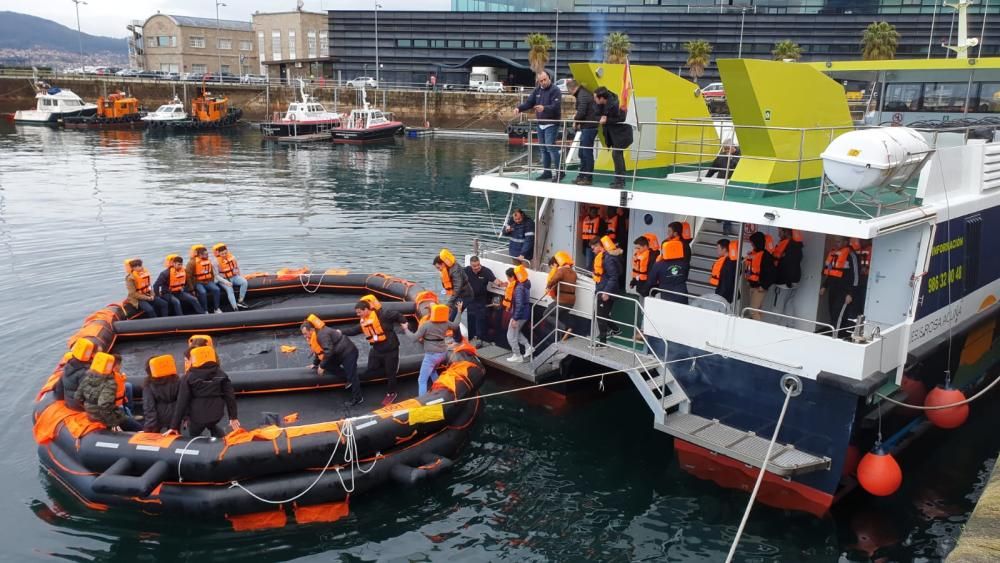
[109, 17]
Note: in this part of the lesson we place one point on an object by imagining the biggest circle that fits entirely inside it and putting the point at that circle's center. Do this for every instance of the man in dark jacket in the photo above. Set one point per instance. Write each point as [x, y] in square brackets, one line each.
[479, 280]
[159, 393]
[670, 273]
[546, 100]
[453, 281]
[378, 327]
[205, 391]
[98, 393]
[788, 261]
[722, 278]
[585, 121]
[171, 286]
[617, 133]
[842, 285]
[607, 281]
[521, 231]
[331, 349]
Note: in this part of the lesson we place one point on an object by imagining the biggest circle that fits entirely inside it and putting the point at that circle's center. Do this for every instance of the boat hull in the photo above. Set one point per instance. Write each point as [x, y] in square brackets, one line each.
[374, 134]
[278, 129]
[35, 117]
[231, 120]
[95, 122]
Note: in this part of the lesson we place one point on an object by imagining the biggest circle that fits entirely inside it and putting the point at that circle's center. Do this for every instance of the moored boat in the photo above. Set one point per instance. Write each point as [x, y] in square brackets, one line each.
[207, 112]
[367, 125]
[304, 117]
[116, 111]
[172, 112]
[53, 105]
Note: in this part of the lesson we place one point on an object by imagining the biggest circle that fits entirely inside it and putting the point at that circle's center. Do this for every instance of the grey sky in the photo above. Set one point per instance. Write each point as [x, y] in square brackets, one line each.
[109, 17]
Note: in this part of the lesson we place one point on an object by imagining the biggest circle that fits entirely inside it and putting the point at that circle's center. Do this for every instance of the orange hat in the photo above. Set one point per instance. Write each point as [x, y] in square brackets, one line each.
[607, 243]
[162, 366]
[426, 296]
[103, 363]
[520, 273]
[83, 349]
[315, 321]
[203, 355]
[447, 257]
[170, 259]
[196, 248]
[205, 337]
[563, 258]
[372, 301]
[217, 247]
[439, 313]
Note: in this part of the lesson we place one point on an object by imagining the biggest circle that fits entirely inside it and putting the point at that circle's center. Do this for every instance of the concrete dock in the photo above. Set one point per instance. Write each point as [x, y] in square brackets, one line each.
[980, 539]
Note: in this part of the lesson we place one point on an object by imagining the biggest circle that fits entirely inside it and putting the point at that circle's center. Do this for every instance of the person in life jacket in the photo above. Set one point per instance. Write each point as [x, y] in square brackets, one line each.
[480, 279]
[669, 274]
[561, 287]
[383, 356]
[521, 230]
[171, 286]
[760, 273]
[100, 396]
[722, 278]
[228, 276]
[74, 370]
[432, 333]
[201, 279]
[607, 282]
[453, 282]
[676, 231]
[643, 260]
[616, 224]
[332, 349]
[518, 300]
[841, 285]
[591, 229]
[788, 263]
[140, 290]
[159, 393]
[205, 392]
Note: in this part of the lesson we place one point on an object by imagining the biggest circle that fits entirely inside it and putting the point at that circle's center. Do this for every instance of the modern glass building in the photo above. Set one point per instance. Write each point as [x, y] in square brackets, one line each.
[687, 6]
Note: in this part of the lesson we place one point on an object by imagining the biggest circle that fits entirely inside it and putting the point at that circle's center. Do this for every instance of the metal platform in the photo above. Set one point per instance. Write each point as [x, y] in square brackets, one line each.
[495, 357]
[613, 357]
[748, 447]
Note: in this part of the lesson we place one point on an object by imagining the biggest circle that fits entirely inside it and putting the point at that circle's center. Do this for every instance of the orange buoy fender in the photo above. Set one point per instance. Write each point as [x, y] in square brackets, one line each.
[915, 390]
[879, 473]
[952, 417]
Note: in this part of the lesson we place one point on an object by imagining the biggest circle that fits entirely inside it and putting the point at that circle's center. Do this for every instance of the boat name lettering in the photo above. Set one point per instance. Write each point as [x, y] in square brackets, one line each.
[948, 246]
[932, 325]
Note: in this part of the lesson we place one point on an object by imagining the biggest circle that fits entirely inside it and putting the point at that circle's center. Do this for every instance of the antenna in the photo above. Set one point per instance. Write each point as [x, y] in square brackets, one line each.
[964, 41]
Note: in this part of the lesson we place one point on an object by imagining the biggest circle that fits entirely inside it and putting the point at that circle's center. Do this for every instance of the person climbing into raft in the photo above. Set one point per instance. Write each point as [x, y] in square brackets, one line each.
[331, 349]
[201, 276]
[453, 281]
[140, 291]
[228, 276]
[171, 285]
[377, 326]
[102, 395]
[204, 392]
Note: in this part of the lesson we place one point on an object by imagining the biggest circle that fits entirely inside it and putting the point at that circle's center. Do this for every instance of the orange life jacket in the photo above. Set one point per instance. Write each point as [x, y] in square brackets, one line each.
[598, 267]
[836, 262]
[508, 295]
[548, 282]
[864, 252]
[202, 269]
[768, 243]
[119, 388]
[446, 281]
[779, 250]
[717, 270]
[612, 226]
[178, 278]
[640, 265]
[314, 345]
[753, 269]
[228, 266]
[372, 327]
[140, 277]
[589, 228]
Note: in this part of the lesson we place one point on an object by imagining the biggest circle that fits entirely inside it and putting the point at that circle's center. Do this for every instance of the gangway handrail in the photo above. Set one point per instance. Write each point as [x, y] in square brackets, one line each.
[726, 308]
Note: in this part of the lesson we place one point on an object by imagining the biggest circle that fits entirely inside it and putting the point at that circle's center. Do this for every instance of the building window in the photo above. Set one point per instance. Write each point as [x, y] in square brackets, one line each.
[275, 45]
[199, 69]
[311, 41]
[162, 41]
[420, 43]
[170, 67]
[489, 45]
[247, 45]
[454, 44]
[404, 43]
[225, 44]
[198, 42]
[291, 44]
[506, 44]
[470, 44]
[225, 69]
[438, 43]
[324, 44]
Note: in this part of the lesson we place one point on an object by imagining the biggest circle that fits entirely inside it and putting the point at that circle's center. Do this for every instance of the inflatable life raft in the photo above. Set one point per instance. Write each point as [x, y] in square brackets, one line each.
[301, 453]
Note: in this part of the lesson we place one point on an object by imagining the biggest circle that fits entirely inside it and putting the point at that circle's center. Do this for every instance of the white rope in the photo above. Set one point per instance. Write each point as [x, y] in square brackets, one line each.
[303, 281]
[760, 477]
[981, 392]
[180, 479]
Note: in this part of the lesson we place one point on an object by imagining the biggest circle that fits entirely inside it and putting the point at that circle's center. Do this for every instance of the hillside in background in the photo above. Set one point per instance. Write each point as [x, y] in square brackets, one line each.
[24, 32]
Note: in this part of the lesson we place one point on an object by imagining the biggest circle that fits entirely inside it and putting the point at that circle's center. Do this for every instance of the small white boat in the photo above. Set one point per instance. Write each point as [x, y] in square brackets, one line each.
[174, 111]
[52, 105]
[367, 124]
[305, 117]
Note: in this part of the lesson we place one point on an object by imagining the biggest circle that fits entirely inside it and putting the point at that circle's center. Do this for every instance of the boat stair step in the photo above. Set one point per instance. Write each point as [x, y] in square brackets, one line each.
[741, 445]
[495, 357]
[613, 357]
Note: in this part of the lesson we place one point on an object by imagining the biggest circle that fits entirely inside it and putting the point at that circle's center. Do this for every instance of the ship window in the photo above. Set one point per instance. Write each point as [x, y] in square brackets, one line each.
[178, 110]
[945, 96]
[989, 98]
[902, 97]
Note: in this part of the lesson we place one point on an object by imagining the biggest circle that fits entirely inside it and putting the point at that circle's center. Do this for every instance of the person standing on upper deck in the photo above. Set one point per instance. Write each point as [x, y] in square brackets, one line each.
[521, 231]
[585, 121]
[546, 100]
[617, 133]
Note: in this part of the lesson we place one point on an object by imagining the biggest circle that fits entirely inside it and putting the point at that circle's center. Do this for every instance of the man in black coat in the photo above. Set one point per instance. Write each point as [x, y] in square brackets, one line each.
[331, 349]
[788, 261]
[204, 393]
[585, 121]
[617, 133]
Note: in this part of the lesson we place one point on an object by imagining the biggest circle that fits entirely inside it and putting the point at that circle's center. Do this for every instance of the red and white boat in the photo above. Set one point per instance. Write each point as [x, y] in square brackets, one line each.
[366, 125]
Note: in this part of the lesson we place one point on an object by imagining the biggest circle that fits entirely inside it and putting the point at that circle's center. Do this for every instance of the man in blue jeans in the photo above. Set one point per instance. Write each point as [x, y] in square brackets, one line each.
[479, 279]
[585, 121]
[546, 100]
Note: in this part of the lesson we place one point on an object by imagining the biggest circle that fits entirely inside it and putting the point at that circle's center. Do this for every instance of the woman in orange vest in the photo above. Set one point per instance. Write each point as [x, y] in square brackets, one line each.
[171, 286]
[201, 279]
[140, 290]
[229, 278]
[607, 282]
[378, 326]
[561, 287]
[519, 300]
[760, 274]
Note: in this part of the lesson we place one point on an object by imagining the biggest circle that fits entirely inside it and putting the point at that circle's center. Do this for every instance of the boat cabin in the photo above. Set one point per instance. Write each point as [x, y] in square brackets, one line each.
[209, 108]
[117, 105]
[367, 118]
[58, 100]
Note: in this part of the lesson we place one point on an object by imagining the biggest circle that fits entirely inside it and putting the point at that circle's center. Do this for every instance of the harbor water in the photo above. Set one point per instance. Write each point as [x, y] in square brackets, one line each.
[543, 478]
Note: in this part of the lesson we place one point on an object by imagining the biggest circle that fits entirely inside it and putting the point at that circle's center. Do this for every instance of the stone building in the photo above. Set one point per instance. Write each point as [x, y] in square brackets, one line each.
[292, 44]
[185, 44]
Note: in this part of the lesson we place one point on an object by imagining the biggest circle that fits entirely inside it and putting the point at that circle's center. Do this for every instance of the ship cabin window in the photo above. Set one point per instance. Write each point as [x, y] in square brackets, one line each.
[989, 98]
[902, 97]
[945, 96]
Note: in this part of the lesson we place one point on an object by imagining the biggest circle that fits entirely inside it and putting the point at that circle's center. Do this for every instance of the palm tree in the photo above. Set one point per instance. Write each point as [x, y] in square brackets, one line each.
[699, 55]
[538, 50]
[787, 49]
[617, 46]
[879, 41]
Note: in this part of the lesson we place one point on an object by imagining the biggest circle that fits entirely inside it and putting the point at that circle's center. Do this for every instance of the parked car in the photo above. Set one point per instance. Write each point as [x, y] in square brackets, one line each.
[455, 87]
[561, 84]
[126, 72]
[713, 90]
[253, 79]
[362, 82]
[490, 87]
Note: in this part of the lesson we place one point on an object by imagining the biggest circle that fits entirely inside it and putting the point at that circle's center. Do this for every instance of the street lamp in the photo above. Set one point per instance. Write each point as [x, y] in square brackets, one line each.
[743, 17]
[218, 34]
[377, 66]
[79, 34]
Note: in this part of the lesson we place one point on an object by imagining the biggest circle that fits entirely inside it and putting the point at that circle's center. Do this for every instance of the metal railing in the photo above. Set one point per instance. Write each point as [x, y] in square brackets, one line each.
[816, 324]
[716, 305]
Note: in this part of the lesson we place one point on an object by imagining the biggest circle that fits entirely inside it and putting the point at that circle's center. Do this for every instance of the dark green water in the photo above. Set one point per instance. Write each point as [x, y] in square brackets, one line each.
[590, 480]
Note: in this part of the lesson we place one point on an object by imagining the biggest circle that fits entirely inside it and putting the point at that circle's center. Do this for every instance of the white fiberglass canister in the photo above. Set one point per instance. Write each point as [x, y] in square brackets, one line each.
[866, 158]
